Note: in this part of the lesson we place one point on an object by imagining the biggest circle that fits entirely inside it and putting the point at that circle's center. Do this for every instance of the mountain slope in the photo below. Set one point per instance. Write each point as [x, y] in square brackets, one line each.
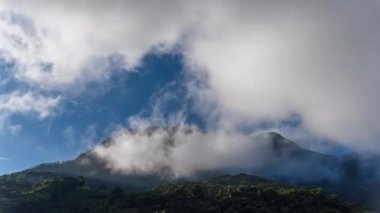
[240, 193]
[350, 176]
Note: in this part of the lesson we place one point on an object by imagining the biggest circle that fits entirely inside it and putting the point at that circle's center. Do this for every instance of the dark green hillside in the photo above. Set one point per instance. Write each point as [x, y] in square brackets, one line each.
[240, 193]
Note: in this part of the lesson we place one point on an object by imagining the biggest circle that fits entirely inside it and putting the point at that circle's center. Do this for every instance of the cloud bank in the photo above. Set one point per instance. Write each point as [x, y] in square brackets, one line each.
[270, 61]
[187, 152]
[258, 61]
[181, 151]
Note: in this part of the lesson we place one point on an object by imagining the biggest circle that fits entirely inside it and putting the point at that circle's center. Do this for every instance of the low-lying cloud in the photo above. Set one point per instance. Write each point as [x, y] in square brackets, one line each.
[178, 151]
[187, 152]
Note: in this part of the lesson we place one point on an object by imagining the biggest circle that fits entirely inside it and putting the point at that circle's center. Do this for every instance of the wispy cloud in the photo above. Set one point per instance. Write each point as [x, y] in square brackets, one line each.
[28, 102]
[4, 159]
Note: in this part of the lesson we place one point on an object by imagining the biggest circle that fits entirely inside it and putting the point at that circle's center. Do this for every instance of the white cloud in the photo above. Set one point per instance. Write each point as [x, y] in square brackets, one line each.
[184, 151]
[29, 102]
[77, 39]
[269, 61]
[181, 152]
[264, 61]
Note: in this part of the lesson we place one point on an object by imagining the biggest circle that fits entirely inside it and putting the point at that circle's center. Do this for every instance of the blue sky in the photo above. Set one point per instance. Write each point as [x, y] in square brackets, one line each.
[72, 74]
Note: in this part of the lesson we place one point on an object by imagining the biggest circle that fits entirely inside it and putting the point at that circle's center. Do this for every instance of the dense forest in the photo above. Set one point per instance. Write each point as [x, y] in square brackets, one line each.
[240, 193]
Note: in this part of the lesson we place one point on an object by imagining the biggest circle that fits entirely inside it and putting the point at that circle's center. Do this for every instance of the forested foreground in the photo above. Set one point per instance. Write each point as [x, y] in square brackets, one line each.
[240, 193]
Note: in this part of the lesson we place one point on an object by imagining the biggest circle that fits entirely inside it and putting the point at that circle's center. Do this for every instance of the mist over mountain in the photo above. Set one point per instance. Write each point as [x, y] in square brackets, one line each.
[183, 152]
[140, 159]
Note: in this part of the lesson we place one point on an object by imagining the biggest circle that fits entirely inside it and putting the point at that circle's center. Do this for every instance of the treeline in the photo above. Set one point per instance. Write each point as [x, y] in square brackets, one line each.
[241, 193]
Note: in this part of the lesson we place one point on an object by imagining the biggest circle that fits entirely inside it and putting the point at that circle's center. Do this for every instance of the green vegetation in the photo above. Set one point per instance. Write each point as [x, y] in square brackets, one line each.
[23, 192]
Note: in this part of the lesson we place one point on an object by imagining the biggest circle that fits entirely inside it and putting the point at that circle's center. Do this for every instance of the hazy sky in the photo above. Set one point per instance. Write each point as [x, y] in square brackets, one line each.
[74, 72]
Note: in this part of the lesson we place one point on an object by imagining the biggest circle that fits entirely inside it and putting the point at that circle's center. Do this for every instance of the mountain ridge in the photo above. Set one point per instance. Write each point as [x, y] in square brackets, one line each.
[288, 163]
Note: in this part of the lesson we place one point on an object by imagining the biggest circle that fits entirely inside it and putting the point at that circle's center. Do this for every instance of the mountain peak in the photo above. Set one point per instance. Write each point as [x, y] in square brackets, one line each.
[275, 135]
[280, 144]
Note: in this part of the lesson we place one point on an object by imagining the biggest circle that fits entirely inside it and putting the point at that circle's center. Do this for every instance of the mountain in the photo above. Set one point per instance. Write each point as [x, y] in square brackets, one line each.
[290, 163]
[352, 177]
[284, 161]
[239, 193]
